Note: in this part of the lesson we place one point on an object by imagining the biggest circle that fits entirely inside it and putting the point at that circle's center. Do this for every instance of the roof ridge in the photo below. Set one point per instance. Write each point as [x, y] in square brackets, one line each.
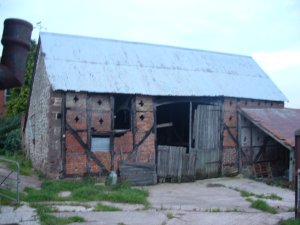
[143, 43]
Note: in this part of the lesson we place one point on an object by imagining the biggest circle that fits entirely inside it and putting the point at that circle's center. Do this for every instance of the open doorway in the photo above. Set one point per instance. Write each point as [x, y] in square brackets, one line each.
[173, 125]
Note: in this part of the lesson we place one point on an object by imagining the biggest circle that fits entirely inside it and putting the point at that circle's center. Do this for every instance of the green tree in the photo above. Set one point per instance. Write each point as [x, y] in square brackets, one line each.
[17, 102]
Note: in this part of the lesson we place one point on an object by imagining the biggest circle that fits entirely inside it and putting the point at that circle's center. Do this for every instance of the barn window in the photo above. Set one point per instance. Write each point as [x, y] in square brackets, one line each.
[100, 144]
[122, 112]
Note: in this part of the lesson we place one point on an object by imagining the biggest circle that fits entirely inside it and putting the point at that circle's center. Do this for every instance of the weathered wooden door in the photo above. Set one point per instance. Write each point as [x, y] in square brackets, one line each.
[206, 138]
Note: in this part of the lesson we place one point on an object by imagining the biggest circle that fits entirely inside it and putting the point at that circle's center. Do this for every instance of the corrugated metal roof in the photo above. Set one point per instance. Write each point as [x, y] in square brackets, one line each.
[109, 66]
[280, 123]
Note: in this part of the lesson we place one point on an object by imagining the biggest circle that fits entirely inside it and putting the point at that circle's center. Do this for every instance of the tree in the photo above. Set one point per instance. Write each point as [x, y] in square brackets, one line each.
[17, 102]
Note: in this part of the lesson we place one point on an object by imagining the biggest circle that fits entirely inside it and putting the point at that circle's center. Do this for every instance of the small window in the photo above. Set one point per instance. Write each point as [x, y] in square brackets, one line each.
[6, 95]
[100, 144]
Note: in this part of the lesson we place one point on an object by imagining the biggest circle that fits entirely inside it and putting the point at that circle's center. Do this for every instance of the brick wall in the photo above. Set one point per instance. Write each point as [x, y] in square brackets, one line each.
[76, 117]
[89, 115]
[144, 122]
[95, 109]
[231, 105]
[55, 154]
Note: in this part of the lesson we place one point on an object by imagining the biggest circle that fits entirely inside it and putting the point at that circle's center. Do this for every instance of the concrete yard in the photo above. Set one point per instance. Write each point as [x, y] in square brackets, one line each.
[205, 202]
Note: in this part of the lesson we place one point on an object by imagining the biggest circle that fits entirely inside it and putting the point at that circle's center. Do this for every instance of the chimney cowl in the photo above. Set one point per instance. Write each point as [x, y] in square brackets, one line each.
[16, 40]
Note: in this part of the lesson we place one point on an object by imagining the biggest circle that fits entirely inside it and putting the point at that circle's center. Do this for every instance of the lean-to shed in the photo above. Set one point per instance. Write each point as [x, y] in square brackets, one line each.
[95, 103]
[267, 137]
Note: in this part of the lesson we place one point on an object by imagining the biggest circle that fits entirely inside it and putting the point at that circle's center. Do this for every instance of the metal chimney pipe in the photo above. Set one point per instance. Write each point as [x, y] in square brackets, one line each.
[16, 41]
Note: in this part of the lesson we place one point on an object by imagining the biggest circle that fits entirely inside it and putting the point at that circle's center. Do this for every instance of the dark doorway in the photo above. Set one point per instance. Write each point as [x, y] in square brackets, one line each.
[173, 124]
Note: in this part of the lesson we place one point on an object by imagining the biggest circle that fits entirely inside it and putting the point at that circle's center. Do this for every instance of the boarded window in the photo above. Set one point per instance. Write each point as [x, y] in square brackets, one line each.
[100, 144]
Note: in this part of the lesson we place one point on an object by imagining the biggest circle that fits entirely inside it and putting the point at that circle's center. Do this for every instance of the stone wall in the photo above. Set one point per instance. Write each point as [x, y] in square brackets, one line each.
[37, 139]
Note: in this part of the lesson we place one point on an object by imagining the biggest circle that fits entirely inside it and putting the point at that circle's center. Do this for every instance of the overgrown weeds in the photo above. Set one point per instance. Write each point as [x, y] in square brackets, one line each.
[262, 205]
[247, 194]
[170, 215]
[105, 208]
[47, 219]
[86, 190]
[290, 221]
[82, 191]
[10, 134]
[213, 210]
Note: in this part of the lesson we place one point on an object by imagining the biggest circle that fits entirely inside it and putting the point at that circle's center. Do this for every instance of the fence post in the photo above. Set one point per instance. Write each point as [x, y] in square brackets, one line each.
[11, 179]
[297, 174]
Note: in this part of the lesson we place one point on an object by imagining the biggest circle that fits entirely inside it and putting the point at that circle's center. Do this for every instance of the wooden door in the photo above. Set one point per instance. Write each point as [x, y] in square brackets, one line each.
[206, 139]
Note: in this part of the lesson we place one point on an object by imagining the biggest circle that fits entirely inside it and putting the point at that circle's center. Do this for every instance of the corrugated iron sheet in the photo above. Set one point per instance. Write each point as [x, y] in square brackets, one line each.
[281, 123]
[110, 66]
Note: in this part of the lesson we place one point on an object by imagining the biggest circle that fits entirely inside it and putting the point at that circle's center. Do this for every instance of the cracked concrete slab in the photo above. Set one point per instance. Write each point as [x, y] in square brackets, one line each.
[205, 202]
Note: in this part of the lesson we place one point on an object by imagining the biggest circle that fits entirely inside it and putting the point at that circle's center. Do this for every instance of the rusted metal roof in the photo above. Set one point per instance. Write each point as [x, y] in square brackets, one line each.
[109, 66]
[281, 123]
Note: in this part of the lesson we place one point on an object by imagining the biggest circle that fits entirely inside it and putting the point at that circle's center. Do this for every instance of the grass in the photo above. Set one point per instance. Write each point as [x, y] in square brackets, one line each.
[290, 221]
[170, 215]
[47, 219]
[262, 205]
[247, 194]
[213, 210]
[85, 190]
[234, 210]
[105, 208]
[81, 191]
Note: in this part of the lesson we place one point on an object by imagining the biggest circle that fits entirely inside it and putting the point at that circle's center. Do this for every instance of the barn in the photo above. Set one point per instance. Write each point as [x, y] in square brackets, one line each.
[98, 105]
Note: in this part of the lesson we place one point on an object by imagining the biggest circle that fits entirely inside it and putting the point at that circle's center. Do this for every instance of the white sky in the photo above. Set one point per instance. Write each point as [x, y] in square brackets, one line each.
[267, 30]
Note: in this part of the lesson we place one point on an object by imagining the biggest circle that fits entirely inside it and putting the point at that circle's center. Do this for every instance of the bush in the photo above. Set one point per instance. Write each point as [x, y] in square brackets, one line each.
[12, 141]
[10, 134]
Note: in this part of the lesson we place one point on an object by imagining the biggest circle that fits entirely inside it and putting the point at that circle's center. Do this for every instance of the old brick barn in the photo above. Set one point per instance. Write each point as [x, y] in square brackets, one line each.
[97, 105]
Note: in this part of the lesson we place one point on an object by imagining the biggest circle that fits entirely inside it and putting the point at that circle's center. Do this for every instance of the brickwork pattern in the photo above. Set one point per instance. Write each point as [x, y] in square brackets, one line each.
[144, 122]
[80, 106]
[76, 117]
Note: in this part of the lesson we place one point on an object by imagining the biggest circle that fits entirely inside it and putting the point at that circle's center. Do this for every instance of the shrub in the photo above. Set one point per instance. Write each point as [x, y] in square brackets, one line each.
[10, 134]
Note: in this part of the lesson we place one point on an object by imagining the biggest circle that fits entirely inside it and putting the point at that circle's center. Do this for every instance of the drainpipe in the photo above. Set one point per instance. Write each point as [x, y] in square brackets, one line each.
[16, 41]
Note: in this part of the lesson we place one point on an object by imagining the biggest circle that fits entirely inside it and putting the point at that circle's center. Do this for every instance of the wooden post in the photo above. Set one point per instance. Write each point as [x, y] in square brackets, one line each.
[63, 133]
[112, 135]
[297, 167]
[89, 133]
[190, 127]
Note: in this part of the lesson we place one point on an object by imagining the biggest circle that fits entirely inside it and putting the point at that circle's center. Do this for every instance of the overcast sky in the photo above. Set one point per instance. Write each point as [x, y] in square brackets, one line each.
[267, 30]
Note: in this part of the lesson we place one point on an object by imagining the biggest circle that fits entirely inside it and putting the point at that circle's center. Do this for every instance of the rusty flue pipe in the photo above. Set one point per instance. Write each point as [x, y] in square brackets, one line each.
[16, 41]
